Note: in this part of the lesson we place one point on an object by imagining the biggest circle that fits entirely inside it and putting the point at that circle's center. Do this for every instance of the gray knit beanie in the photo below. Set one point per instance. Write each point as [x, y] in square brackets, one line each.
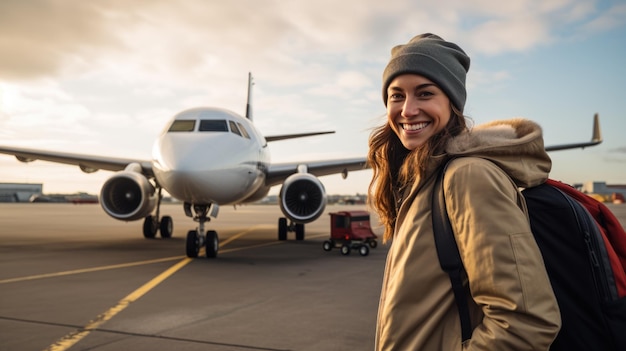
[428, 55]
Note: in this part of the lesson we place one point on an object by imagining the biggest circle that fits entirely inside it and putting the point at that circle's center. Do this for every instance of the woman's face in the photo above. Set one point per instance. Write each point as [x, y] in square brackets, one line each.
[416, 109]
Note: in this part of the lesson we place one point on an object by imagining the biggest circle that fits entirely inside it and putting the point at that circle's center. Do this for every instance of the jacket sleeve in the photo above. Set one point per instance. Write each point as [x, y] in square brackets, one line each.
[506, 273]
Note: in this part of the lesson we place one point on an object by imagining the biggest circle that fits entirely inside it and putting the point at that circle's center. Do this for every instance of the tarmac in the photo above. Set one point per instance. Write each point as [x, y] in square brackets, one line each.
[73, 278]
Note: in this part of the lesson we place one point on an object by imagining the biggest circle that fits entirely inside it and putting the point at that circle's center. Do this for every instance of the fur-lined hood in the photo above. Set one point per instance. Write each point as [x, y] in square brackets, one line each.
[516, 145]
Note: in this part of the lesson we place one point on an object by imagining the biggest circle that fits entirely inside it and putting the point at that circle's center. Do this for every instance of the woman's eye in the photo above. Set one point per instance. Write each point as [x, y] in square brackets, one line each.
[425, 94]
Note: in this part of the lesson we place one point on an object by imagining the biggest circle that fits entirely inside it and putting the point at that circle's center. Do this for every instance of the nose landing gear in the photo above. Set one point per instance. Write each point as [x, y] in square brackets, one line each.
[199, 237]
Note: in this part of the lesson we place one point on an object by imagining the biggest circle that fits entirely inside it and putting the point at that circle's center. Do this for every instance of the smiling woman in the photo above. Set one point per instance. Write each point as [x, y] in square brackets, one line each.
[424, 92]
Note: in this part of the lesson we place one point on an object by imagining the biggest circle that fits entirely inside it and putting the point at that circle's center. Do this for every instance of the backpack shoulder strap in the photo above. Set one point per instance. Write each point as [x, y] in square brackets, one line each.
[448, 252]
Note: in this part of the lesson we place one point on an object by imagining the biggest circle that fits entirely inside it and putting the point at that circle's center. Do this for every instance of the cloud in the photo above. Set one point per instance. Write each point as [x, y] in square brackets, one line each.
[41, 37]
[158, 49]
[186, 41]
[613, 17]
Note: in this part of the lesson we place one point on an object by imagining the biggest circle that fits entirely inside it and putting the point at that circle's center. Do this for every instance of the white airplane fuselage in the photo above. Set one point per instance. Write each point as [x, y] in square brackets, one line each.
[211, 155]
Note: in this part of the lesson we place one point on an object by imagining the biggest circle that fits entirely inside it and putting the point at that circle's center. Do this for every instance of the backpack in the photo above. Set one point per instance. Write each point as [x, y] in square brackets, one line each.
[583, 246]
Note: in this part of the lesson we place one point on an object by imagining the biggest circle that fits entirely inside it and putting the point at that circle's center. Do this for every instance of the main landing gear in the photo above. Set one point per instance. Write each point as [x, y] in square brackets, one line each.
[198, 238]
[283, 228]
[151, 224]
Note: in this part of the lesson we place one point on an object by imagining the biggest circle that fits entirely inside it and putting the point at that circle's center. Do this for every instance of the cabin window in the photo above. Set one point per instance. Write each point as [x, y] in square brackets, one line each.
[243, 130]
[233, 128]
[182, 125]
[213, 125]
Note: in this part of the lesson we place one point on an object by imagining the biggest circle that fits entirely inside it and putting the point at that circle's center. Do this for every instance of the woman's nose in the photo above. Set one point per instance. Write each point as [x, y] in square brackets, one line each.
[411, 107]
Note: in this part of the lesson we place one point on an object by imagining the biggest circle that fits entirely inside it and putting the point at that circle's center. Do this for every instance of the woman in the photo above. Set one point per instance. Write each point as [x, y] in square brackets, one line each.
[512, 305]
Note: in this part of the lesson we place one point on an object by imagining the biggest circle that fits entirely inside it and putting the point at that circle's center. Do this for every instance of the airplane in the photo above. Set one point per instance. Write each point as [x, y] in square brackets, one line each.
[209, 157]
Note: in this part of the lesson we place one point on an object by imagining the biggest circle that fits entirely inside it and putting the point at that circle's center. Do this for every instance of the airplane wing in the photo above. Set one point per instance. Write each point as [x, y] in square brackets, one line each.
[87, 163]
[596, 138]
[278, 172]
[293, 136]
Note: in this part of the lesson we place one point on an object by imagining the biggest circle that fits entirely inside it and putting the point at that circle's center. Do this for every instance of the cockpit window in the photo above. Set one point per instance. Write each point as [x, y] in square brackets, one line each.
[213, 125]
[233, 128]
[243, 131]
[183, 125]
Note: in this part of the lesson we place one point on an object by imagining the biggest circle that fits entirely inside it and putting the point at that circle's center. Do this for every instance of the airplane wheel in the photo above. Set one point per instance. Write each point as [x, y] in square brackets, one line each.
[364, 250]
[299, 231]
[282, 228]
[149, 227]
[328, 245]
[192, 244]
[166, 227]
[373, 244]
[212, 244]
[345, 249]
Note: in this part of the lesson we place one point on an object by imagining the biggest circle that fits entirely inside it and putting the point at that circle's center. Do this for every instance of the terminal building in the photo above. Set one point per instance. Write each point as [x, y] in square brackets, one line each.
[603, 191]
[19, 192]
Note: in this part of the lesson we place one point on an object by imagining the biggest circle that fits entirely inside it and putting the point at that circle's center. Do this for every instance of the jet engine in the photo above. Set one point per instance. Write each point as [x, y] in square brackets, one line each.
[128, 195]
[302, 198]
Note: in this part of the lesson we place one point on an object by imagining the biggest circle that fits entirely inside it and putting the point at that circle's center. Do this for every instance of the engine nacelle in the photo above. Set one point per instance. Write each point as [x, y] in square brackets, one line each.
[128, 195]
[302, 198]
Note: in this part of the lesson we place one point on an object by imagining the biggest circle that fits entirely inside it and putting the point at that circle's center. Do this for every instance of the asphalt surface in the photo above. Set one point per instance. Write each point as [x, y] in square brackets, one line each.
[73, 278]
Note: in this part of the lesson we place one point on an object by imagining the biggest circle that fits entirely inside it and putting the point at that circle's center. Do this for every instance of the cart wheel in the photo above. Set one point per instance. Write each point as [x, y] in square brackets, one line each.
[373, 244]
[345, 249]
[328, 245]
[364, 250]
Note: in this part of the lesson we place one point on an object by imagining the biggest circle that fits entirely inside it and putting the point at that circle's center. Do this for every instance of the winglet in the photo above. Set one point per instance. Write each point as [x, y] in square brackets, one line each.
[597, 135]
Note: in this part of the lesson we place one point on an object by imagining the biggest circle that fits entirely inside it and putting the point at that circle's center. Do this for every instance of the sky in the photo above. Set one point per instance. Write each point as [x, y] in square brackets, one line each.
[104, 77]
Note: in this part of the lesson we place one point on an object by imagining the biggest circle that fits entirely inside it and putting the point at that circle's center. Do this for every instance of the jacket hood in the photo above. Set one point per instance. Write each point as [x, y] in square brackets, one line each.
[515, 145]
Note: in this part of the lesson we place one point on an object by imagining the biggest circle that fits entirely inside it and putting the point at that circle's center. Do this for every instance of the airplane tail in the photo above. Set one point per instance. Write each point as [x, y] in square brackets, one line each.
[249, 100]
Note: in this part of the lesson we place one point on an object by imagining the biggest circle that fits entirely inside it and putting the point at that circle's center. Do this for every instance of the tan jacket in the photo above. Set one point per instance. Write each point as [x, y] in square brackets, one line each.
[513, 306]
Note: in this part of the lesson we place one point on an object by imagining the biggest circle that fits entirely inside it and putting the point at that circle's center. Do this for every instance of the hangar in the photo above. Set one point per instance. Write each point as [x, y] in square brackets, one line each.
[19, 192]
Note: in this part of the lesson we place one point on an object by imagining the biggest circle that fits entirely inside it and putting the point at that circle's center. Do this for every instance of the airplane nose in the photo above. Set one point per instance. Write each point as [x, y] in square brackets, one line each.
[188, 153]
[199, 170]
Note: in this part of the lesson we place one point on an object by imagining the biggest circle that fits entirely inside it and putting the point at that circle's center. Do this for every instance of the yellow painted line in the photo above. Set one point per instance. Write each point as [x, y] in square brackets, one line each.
[141, 263]
[240, 234]
[121, 265]
[72, 338]
[88, 270]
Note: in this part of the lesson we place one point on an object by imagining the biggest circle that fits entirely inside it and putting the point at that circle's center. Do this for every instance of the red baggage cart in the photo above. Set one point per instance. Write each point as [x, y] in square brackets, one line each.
[351, 230]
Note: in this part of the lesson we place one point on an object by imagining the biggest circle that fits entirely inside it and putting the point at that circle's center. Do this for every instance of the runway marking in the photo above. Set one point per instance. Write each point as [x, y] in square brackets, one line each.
[88, 270]
[72, 338]
[130, 264]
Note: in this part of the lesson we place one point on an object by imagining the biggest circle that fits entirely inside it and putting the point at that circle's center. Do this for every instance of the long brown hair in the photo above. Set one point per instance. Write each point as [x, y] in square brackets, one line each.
[395, 167]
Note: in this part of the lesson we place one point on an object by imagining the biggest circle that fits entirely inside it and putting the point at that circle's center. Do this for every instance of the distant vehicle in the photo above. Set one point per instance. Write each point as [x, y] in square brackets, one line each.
[80, 198]
[47, 198]
[351, 230]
